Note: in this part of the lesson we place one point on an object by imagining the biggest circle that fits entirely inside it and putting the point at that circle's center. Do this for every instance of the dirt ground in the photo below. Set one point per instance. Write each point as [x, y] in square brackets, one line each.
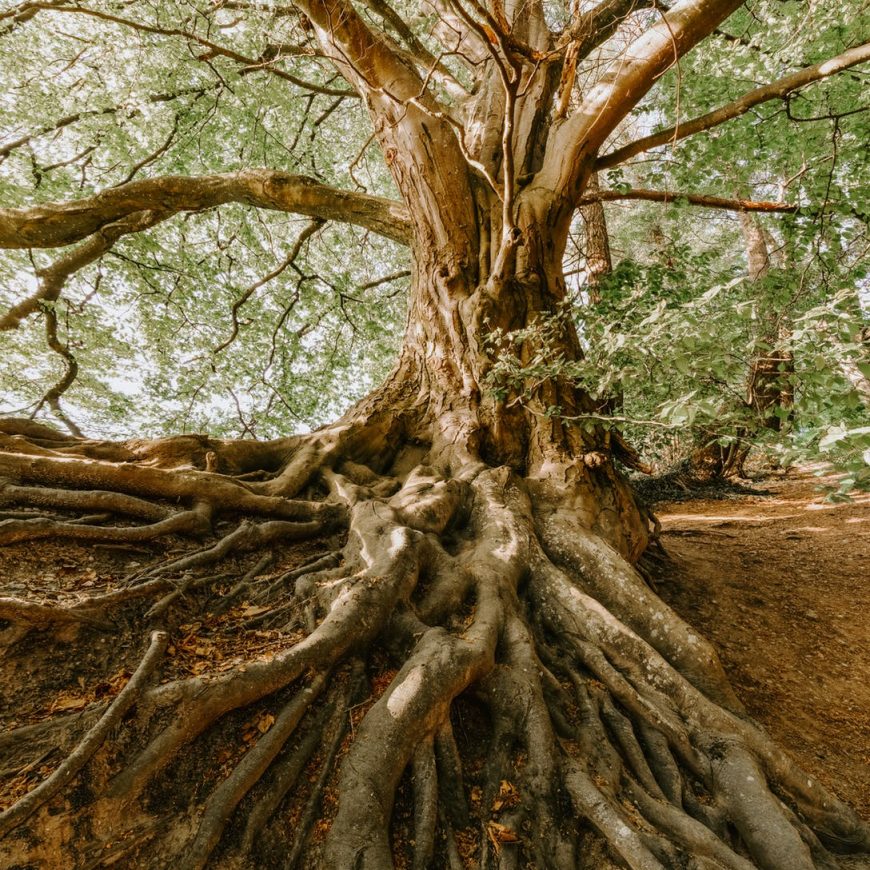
[776, 578]
[779, 583]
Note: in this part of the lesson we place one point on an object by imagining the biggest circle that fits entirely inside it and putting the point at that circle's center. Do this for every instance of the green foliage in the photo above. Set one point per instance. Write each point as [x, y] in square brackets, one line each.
[669, 347]
[144, 322]
[91, 101]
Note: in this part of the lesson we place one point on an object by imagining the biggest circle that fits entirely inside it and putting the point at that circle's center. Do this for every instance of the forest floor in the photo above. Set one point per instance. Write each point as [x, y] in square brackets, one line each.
[778, 581]
[773, 574]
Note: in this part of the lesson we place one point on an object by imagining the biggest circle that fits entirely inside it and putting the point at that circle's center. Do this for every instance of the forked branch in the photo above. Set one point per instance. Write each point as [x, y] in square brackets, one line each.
[644, 60]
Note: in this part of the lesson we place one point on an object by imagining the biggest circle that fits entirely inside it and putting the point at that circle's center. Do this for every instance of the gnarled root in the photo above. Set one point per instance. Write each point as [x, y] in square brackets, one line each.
[471, 677]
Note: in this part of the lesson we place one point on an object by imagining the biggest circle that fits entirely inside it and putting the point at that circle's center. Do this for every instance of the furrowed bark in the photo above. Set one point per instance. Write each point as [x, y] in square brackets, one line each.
[457, 563]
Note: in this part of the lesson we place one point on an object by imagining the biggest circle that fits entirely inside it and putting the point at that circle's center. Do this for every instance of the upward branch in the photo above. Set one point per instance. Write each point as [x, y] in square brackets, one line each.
[636, 70]
[413, 129]
[778, 89]
[52, 225]
[590, 28]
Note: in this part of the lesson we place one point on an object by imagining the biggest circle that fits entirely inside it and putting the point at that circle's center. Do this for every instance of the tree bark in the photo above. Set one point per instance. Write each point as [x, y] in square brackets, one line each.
[481, 581]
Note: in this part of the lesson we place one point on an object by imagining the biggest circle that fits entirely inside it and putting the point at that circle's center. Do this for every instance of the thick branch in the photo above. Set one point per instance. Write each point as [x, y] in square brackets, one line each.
[704, 200]
[363, 58]
[53, 277]
[735, 109]
[593, 27]
[415, 133]
[621, 88]
[415, 50]
[51, 225]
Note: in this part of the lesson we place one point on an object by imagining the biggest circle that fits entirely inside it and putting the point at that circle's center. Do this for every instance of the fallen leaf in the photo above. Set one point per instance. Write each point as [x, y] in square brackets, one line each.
[499, 834]
[508, 796]
[69, 704]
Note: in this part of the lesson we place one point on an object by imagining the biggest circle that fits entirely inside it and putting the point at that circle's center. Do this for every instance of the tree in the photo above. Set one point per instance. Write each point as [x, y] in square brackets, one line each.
[478, 549]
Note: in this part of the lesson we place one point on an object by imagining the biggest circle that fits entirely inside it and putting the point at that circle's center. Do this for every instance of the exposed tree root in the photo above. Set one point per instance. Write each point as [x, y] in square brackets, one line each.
[41, 615]
[224, 799]
[92, 741]
[65, 499]
[472, 648]
[192, 522]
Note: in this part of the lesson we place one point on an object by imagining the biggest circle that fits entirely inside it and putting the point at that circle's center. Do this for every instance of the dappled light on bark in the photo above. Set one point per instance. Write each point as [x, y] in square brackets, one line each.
[313, 654]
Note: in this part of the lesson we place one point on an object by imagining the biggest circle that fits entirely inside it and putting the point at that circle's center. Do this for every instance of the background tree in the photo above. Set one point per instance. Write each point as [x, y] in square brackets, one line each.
[680, 328]
[473, 544]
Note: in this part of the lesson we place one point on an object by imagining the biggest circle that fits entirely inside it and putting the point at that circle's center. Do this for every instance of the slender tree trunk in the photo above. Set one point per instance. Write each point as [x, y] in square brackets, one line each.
[769, 384]
[598, 260]
[769, 380]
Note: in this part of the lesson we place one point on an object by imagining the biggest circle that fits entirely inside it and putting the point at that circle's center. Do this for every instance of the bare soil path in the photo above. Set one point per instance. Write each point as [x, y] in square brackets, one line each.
[780, 582]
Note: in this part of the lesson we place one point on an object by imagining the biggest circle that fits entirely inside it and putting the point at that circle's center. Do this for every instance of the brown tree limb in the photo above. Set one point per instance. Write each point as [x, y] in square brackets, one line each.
[51, 225]
[704, 200]
[393, 276]
[590, 28]
[52, 278]
[67, 379]
[642, 63]
[420, 145]
[91, 742]
[415, 49]
[775, 90]
[364, 58]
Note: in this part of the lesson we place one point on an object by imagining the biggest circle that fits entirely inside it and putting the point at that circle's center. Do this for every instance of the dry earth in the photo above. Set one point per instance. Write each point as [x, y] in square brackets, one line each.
[779, 582]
